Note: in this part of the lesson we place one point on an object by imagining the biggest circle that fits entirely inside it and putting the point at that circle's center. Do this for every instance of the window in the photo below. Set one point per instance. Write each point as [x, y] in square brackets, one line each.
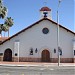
[74, 52]
[60, 52]
[1, 54]
[45, 30]
[31, 51]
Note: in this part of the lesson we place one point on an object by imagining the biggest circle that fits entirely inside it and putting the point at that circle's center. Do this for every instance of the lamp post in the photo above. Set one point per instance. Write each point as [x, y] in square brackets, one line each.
[58, 44]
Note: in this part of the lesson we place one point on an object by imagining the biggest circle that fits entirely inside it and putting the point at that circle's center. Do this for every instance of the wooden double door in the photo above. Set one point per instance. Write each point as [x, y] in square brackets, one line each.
[45, 56]
[7, 55]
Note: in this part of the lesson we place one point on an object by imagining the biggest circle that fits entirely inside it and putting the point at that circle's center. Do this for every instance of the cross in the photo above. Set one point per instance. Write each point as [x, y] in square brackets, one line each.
[45, 3]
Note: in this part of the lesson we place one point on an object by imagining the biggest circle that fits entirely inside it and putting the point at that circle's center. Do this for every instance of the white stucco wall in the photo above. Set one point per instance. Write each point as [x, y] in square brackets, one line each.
[34, 38]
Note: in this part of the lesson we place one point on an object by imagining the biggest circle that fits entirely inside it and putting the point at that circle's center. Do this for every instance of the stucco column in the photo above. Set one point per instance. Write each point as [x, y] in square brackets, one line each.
[16, 51]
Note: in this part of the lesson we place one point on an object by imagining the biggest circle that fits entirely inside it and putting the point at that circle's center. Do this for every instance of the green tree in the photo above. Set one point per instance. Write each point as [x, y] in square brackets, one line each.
[8, 20]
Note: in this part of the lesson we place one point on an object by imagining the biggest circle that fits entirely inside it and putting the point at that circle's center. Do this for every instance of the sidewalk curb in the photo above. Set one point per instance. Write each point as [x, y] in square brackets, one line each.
[21, 64]
[33, 65]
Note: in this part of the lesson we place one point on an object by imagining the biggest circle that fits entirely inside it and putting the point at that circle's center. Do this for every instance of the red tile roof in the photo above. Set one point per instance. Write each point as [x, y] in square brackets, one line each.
[45, 9]
[3, 38]
[34, 25]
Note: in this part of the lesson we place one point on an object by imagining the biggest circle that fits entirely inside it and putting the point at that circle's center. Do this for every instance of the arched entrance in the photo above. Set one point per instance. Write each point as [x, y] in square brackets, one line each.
[7, 55]
[45, 56]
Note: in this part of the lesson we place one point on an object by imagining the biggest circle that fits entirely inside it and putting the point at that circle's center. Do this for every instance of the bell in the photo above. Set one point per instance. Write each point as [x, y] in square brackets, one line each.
[45, 14]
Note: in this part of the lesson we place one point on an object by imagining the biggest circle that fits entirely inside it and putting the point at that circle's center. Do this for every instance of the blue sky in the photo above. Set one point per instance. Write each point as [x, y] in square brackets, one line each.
[26, 12]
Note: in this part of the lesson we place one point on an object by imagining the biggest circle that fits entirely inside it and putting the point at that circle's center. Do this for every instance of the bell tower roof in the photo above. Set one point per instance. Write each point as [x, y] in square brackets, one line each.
[45, 9]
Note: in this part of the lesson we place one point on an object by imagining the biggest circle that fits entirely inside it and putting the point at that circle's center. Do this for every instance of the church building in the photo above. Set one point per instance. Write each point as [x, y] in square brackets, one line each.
[38, 42]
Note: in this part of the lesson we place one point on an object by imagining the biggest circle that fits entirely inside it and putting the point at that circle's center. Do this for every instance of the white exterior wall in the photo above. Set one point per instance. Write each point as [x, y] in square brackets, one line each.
[66, 43]
[34, 38]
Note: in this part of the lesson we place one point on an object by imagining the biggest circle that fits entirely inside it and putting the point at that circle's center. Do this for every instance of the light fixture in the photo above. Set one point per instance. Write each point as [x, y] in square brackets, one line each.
[54, 50]
[36, 50]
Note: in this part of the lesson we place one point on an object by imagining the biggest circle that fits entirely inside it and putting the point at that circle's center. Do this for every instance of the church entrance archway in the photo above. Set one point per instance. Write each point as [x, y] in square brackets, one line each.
[45, 56]
[7, 55]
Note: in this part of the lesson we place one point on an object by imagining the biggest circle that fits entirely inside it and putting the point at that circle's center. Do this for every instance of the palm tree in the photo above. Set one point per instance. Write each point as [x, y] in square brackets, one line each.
[8, 21]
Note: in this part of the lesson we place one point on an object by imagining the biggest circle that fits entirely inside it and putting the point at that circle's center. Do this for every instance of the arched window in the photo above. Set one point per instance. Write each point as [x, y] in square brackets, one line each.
[74, 52]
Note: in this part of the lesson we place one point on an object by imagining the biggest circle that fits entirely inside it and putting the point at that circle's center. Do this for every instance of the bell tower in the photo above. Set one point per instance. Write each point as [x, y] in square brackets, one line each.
[45, 12]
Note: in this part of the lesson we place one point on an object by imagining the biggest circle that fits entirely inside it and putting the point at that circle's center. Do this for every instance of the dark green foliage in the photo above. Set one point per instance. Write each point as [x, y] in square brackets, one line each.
[8, 21]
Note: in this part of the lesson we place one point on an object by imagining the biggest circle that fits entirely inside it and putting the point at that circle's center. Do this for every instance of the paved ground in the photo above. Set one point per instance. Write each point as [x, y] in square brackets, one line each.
[32, 68]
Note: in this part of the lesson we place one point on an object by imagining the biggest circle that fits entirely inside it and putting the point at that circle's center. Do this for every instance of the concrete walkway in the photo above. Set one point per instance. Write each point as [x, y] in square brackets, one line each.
[34, 64]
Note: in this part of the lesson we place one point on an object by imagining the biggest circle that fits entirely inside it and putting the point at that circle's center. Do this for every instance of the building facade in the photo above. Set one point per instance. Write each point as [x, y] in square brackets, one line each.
[38, 42]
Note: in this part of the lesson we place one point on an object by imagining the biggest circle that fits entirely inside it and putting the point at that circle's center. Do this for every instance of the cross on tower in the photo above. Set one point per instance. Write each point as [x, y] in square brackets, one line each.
[45, 3]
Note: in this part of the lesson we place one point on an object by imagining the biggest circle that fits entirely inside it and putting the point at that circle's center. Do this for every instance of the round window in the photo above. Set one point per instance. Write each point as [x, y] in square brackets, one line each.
[45, 30]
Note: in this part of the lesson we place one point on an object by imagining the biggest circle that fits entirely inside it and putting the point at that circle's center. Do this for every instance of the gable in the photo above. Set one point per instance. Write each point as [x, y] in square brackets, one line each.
[34, 25]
